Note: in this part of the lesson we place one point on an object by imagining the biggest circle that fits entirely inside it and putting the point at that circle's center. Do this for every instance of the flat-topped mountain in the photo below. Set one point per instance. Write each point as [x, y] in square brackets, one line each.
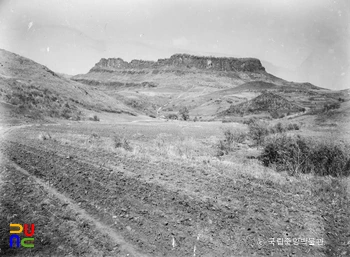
[183, 71]
[207, 86]
[184, 61]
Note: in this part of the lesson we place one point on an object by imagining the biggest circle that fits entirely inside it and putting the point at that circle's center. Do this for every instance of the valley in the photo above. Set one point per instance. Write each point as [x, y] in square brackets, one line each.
[97, 163]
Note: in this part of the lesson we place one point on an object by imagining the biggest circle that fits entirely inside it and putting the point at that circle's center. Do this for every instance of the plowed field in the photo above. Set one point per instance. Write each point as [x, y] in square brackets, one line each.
[88, 202]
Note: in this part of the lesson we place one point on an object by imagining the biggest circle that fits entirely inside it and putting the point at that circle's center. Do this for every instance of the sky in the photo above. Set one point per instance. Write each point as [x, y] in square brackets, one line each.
[297, 40]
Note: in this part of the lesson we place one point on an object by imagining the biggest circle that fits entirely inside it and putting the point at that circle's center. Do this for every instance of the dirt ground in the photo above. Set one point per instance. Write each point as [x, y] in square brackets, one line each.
[94, 202]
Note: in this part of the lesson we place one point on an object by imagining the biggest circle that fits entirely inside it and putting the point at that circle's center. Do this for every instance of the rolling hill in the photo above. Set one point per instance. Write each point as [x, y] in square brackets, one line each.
[207, 86]
[267, 102]
[35, 91]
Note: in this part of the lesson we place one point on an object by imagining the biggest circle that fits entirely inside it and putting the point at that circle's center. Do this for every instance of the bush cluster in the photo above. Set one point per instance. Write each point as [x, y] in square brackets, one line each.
[171, 116]
[230, 137]
[332, 106]
[280, 128]
[184, 113]
[259, 130]
[298, 155]
[94, 118]
[249, 121]
[121, 142]
[38, 102]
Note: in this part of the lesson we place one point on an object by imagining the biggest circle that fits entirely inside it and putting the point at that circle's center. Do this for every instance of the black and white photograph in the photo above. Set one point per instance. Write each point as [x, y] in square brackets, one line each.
[180, 128]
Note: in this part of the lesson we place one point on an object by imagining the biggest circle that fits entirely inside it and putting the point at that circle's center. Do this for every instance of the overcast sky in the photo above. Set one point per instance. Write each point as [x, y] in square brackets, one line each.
[298, 40]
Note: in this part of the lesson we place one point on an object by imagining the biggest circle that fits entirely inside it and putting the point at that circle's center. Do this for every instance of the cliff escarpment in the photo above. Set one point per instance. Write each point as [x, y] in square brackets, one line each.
[183, 61]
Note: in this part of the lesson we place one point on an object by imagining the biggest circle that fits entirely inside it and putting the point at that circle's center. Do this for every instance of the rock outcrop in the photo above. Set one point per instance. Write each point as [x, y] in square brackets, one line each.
[184, 61]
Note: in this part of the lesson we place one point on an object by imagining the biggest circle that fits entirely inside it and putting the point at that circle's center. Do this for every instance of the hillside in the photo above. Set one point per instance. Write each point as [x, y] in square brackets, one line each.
[256, 85]
[267, 102]
[35, 91]
[206, 85]
[155, 187]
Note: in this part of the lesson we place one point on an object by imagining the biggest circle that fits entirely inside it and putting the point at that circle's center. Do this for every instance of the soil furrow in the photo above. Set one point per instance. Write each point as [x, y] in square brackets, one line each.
[152, 216]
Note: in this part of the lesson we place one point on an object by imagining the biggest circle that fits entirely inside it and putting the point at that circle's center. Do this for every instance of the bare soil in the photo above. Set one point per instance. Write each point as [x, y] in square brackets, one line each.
[98, 203]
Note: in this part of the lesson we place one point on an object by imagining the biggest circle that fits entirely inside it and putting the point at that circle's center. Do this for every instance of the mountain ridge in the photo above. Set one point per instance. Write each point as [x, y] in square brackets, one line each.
[207, 86]
[185, 61]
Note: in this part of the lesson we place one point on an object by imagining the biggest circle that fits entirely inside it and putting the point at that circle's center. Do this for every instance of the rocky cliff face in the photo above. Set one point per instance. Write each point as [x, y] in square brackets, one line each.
[184, 61]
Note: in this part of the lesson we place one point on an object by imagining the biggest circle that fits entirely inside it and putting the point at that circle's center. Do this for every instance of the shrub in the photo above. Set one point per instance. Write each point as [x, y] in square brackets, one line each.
[94, 135]
[184, 113]
[249, 121]
[225, 146]
[77, 117]
[296, 126]
[258, 131]
[94, 118]
[279, 127]
[330, 160]
[65, 112]
[121, 142]
[332, 106]
[239, 136]
[222, 148]
[286, 153]
[298, 155]
[171, 116]
[230, 137]
[290, 126]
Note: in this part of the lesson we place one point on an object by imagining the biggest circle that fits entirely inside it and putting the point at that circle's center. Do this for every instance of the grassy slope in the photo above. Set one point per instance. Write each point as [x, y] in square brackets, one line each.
[35, 87]
[266, 102]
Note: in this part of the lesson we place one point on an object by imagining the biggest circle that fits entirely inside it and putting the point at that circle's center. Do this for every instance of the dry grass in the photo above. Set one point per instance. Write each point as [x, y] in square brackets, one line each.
[180, 149]
[190, 149]
[186, 150]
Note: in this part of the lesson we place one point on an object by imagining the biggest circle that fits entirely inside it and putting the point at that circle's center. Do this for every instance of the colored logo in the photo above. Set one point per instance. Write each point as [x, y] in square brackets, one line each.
[16, 230]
